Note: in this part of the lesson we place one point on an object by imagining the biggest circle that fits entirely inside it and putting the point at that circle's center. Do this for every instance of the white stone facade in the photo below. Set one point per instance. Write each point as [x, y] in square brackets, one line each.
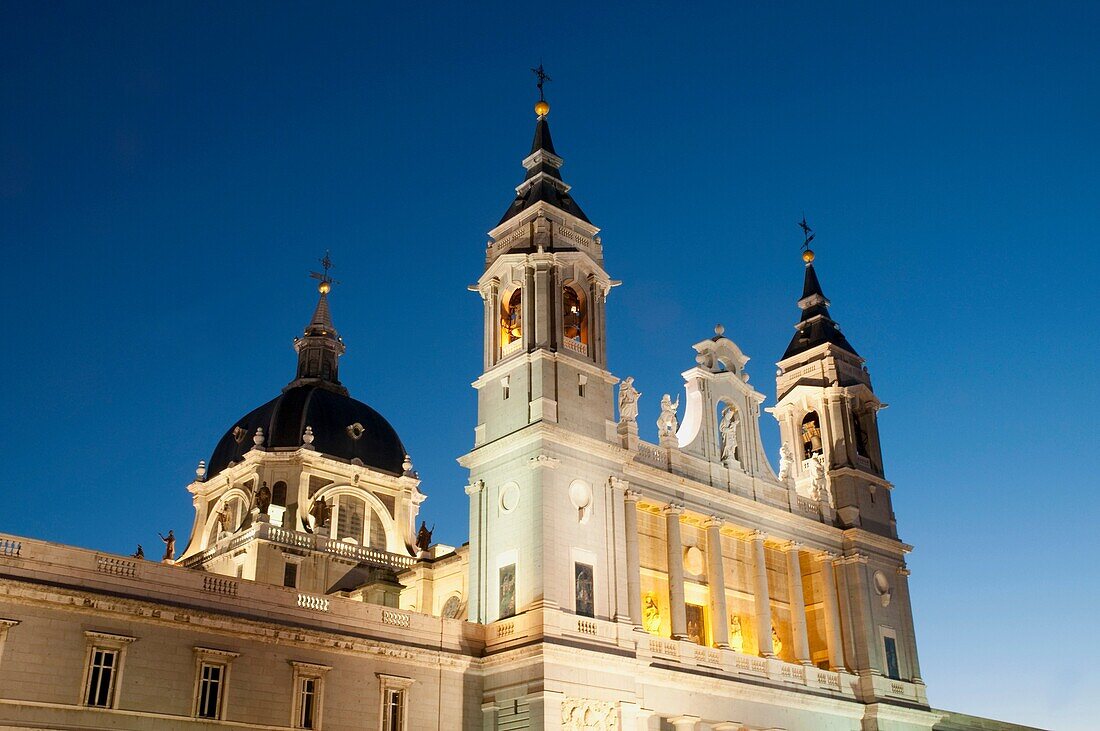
[609, 582]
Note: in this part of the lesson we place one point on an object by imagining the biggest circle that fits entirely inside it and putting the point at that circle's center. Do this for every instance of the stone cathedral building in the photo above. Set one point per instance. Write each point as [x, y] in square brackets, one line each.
[617, 576]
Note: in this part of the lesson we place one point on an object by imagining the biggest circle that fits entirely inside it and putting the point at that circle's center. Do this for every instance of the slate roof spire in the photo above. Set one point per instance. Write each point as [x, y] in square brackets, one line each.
[320, 347]
[543, 181]
[815, 326]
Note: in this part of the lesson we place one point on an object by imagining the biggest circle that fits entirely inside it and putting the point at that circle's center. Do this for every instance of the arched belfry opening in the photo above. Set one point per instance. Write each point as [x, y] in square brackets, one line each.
[511, 317]
[811, 435]
[574, 315]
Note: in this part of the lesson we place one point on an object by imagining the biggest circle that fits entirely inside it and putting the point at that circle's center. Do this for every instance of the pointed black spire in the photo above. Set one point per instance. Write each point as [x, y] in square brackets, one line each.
[543, 180]
[320, 347]
[816, 326]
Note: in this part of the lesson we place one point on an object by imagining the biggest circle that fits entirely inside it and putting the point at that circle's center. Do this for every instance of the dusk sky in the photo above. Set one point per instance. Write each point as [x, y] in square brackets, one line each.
[171, 172]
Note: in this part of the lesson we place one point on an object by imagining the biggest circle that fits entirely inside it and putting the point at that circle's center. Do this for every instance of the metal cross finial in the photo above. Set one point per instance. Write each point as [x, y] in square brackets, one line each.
[807, 233]
[542, 77]
[326, 264]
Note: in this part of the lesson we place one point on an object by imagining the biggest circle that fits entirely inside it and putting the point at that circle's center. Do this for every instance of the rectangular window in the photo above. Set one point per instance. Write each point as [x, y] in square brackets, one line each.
[505, 390]
[507, 590]
[582, 381]
[307, 695]
[101, 678]
[290, 575]
[351, 517]
[309, 687]
[211, 677]
[890, 644]
[583, 590]
[211, 681]
[395, 710]
[696, 623]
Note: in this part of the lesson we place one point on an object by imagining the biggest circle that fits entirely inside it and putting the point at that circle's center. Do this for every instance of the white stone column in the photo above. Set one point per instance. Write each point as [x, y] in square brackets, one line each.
[677, 611]
[832, 611]
[633, 558]
[797, 603]
[716, 578]
[684, 723]
[763, 600]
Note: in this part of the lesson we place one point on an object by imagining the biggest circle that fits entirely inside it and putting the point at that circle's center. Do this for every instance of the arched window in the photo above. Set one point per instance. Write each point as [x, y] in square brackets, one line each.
[511, 318]
[860, 434]
[278, 493]
[811, 435]
[574, 317]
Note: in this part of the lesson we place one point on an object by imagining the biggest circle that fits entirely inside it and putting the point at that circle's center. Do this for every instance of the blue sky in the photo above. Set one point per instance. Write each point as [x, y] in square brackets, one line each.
[170, 172]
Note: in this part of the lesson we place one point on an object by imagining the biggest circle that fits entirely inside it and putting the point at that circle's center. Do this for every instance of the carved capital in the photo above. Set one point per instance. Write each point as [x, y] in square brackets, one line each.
[713, 522]
[475, 487]
[794, 546]
[823, 556]
[758, 535]
[631, 496]
[616, 483]
[672, 509]
[903, 570]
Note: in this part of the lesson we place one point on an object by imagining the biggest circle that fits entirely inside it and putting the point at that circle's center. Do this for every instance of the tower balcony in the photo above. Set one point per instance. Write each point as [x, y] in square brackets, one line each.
[307, 541]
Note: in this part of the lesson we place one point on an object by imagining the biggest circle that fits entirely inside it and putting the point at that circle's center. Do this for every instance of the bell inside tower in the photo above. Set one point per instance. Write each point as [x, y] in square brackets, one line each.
[574, 316]
[811, 435]
[511, 318]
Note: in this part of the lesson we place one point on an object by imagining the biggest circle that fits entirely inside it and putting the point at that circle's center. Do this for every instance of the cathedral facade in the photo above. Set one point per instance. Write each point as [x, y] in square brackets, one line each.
[610, 581]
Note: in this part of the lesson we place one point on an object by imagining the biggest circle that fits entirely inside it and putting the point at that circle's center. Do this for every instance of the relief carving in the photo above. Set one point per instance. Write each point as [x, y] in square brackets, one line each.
[579, 714]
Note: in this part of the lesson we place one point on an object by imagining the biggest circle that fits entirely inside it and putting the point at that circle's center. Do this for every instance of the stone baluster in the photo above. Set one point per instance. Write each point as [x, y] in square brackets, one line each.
[716, 577]
[797, 604]
[677, 610]
[763, 600]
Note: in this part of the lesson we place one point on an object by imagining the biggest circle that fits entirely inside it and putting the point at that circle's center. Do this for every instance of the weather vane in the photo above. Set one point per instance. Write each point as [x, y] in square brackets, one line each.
[324, 277]
[807, 233]
[543, 77]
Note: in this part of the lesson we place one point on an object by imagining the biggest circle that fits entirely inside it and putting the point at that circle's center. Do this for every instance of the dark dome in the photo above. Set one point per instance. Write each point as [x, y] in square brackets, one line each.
[330, 414]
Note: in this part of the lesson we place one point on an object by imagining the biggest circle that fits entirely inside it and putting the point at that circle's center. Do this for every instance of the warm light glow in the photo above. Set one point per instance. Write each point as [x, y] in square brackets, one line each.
[511, 318]
[542, 108]
[574, 317]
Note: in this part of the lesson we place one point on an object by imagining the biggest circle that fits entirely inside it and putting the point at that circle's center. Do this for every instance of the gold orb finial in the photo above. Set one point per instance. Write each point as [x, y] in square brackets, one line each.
[542, 108]
[324, 287]
[808, 256]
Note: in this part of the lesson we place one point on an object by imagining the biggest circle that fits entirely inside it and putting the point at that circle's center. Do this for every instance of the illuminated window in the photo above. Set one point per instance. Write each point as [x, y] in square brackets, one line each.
[574, 317]
[309, 685]
[395, 697]
[211, 681]
[811, 435]
[103, 673]
[511, 318]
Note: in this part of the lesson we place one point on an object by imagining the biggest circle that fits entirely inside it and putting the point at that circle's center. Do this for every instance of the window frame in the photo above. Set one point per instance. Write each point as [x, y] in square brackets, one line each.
[208, 656]
[105, 642]
[5, 625]
[884, 634]
[307, 671]
[393, 684]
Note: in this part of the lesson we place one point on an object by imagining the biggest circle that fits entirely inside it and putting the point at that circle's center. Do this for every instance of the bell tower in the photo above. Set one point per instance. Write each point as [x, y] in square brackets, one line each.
[828, 416]
[539, 488]
[544, 292]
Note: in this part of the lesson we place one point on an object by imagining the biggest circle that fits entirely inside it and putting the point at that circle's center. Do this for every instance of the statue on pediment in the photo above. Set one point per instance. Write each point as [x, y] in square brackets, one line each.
[727, 427]
[628, 400]
[667, 422]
